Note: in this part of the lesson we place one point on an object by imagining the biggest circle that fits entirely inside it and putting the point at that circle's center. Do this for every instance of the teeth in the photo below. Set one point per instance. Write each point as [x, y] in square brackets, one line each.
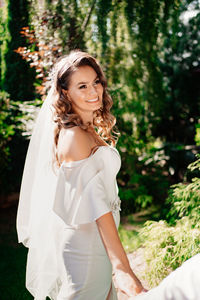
[93, 100]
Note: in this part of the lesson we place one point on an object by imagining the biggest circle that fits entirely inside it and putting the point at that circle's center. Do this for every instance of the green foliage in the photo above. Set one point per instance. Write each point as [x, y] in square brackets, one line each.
[184, 198]
[197, 136]
[61, 23]
[134, 199]
[144, 179]
[6, 130]
[130, 239]
[4, 39]
[167, 247]
[178, 62]
[15, 127]
[16, 76]
[149, 56]
[102, 11]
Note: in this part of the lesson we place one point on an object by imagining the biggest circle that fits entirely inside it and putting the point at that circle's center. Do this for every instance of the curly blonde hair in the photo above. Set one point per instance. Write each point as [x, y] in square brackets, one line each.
[64, 116]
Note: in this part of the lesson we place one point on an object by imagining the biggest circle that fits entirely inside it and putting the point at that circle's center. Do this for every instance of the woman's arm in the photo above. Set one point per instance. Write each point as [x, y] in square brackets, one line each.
[124, 276]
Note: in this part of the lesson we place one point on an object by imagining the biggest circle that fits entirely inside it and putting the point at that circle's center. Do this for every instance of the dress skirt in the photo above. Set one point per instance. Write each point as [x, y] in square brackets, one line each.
[88, 270]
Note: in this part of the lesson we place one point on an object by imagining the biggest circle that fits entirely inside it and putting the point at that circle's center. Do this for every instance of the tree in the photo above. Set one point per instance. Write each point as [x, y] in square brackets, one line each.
[16, 76]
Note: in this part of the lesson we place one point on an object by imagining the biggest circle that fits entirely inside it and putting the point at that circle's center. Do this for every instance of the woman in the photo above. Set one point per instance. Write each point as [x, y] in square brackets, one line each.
[68, 211]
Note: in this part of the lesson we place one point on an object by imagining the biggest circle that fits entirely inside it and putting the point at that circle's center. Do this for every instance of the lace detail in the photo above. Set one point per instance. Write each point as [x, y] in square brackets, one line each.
[116, 205]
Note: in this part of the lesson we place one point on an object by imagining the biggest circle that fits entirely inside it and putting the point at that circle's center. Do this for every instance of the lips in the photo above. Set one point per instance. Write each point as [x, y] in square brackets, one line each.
[93, 100]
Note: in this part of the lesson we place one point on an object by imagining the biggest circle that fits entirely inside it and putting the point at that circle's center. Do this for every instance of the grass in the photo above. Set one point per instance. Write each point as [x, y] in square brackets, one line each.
[13, 259]
[12, 267]
[130, 239]
[130, 227]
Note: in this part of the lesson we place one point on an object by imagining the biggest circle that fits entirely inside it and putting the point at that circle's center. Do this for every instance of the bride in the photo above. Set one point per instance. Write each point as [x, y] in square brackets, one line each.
[68, 211]
[69, 208]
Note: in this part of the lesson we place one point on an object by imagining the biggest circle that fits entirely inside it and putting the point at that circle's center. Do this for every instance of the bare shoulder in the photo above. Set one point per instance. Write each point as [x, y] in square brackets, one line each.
[74, 144]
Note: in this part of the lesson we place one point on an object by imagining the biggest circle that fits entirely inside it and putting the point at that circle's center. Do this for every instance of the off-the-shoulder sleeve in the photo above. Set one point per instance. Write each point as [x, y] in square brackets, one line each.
[79, 203]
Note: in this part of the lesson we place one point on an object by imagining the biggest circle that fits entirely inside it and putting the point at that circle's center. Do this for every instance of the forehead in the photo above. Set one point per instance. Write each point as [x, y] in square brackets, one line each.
[83, 73]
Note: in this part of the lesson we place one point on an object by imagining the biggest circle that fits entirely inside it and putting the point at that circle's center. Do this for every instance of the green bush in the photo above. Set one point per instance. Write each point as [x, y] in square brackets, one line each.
[167, 247]
[143, 178]
[184, 198]
[197, 136]
[6, 133]
[16, 122]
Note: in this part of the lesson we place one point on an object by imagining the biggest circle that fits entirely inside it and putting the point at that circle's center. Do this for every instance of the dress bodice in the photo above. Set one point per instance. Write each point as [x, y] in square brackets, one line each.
[88, 188]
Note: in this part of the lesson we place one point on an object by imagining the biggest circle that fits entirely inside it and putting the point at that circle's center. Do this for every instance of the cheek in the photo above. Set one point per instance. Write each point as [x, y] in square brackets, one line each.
[100, 90]
[77, 94]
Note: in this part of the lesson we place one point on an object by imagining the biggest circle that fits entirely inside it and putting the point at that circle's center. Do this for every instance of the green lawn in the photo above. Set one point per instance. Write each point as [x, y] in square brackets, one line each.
[13, 259]
[130, 226]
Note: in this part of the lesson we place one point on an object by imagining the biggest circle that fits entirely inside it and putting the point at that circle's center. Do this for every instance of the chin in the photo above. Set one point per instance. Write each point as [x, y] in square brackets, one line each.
[97, 107]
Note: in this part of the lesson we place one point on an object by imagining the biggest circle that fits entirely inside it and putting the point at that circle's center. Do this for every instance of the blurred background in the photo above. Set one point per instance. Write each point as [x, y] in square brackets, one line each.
[150, 53]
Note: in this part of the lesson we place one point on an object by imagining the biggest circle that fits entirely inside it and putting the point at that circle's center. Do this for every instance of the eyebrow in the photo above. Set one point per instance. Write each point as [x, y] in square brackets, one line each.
[82, 82]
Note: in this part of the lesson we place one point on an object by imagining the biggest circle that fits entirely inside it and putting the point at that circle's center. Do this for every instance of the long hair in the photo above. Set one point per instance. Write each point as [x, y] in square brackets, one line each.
[64, 116]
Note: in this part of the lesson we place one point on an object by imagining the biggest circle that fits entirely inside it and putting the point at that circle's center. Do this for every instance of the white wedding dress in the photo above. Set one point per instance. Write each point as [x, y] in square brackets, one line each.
[86, 189]
[70, 262]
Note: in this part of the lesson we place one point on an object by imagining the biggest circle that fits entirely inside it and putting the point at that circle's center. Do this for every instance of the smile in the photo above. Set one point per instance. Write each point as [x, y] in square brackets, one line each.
[93, 100]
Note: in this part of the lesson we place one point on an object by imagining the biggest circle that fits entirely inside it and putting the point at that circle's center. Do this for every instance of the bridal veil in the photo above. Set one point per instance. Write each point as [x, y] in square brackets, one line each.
[38, 227]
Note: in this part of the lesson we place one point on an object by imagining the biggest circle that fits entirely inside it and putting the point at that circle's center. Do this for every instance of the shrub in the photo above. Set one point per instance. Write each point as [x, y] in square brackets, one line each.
[184, 198]
[167, 247]
[16, 122]
[6, 133]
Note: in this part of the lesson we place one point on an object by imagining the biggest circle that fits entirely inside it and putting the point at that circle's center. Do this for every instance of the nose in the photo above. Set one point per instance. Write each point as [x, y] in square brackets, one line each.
[93, 91]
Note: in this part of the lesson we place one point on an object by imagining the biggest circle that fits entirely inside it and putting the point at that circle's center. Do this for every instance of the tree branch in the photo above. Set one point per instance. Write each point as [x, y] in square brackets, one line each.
[87, 18]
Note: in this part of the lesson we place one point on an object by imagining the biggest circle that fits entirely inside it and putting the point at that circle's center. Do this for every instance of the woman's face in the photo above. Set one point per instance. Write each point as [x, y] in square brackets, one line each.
[85, 90]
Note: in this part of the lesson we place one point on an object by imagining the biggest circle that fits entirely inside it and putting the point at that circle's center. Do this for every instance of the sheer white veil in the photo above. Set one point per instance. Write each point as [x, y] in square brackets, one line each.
[39, 179]
[38, 227]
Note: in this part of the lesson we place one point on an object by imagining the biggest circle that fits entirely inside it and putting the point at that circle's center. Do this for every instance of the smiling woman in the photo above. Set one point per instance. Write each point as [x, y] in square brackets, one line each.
[69, 206]
[82, 100]
[85, 96]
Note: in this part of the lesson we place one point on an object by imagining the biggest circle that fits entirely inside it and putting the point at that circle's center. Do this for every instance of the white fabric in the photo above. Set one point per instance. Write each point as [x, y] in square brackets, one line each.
[86, 190]
[38, 227]
[181, 284]
[56, 218]
[38, 177]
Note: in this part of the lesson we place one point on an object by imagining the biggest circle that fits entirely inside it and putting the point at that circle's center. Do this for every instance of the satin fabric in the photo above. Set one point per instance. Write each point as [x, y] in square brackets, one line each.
[181, 284]
[75, 265]
[86, 190]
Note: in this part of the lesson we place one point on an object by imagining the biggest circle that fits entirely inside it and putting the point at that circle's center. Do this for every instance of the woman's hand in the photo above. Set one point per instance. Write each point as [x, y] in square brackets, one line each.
[128, 283]
[125, 279]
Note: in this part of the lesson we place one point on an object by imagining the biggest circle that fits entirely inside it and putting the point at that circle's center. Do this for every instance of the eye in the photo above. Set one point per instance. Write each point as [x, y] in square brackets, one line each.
[82, 86]
[97, 81]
